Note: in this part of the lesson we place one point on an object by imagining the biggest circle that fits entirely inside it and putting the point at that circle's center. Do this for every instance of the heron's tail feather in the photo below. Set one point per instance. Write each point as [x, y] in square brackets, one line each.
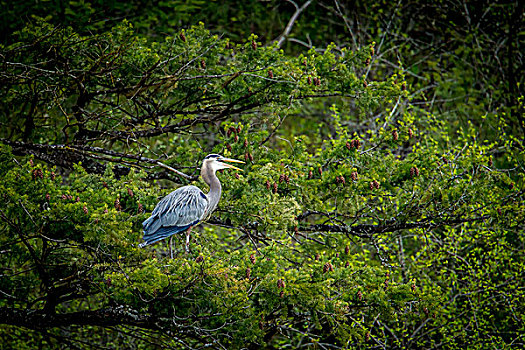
[151, 224]
[161, 233]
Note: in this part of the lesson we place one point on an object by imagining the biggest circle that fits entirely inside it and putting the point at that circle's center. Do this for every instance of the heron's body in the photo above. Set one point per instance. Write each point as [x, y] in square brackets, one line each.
[178, 211]
[186, 206]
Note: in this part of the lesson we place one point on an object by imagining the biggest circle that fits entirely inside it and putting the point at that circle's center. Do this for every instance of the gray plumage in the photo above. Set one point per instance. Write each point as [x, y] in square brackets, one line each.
[182, 208]
[186, 206]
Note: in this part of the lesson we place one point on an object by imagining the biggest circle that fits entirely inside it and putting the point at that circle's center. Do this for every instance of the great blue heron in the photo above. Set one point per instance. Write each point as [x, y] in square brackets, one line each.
[186, 206]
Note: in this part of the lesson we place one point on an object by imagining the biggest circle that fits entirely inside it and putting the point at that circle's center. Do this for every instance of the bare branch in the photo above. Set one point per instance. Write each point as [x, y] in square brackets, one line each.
[367, 230]
[90, 152]
[291, 22]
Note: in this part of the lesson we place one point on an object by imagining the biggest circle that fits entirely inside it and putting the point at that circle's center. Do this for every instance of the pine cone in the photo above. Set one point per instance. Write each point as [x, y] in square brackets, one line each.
[37, 173]
[395, 135]
[328, 267]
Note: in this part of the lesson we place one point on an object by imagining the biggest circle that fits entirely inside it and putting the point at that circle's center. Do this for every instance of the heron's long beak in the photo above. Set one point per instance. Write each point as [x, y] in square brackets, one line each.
[232, 161]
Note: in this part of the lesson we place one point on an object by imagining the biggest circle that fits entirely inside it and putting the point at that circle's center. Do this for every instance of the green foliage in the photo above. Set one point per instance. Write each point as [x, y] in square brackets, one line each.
[361, 219]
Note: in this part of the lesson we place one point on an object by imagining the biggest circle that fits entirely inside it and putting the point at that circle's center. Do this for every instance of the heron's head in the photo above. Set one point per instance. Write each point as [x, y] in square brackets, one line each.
[216, 162]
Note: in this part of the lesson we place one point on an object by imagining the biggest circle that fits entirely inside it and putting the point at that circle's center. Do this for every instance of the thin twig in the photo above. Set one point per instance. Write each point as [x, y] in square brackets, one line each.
[292, 20]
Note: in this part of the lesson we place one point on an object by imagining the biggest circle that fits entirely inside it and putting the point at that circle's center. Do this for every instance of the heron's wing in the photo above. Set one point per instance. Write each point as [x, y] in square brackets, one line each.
[176, 212]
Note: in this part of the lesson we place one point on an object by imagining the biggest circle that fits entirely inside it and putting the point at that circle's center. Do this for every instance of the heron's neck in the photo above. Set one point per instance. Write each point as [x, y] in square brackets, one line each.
[214, 195]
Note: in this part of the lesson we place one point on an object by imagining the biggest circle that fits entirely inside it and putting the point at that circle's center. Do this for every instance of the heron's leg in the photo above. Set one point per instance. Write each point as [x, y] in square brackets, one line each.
[171, 246]
[188, 239]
